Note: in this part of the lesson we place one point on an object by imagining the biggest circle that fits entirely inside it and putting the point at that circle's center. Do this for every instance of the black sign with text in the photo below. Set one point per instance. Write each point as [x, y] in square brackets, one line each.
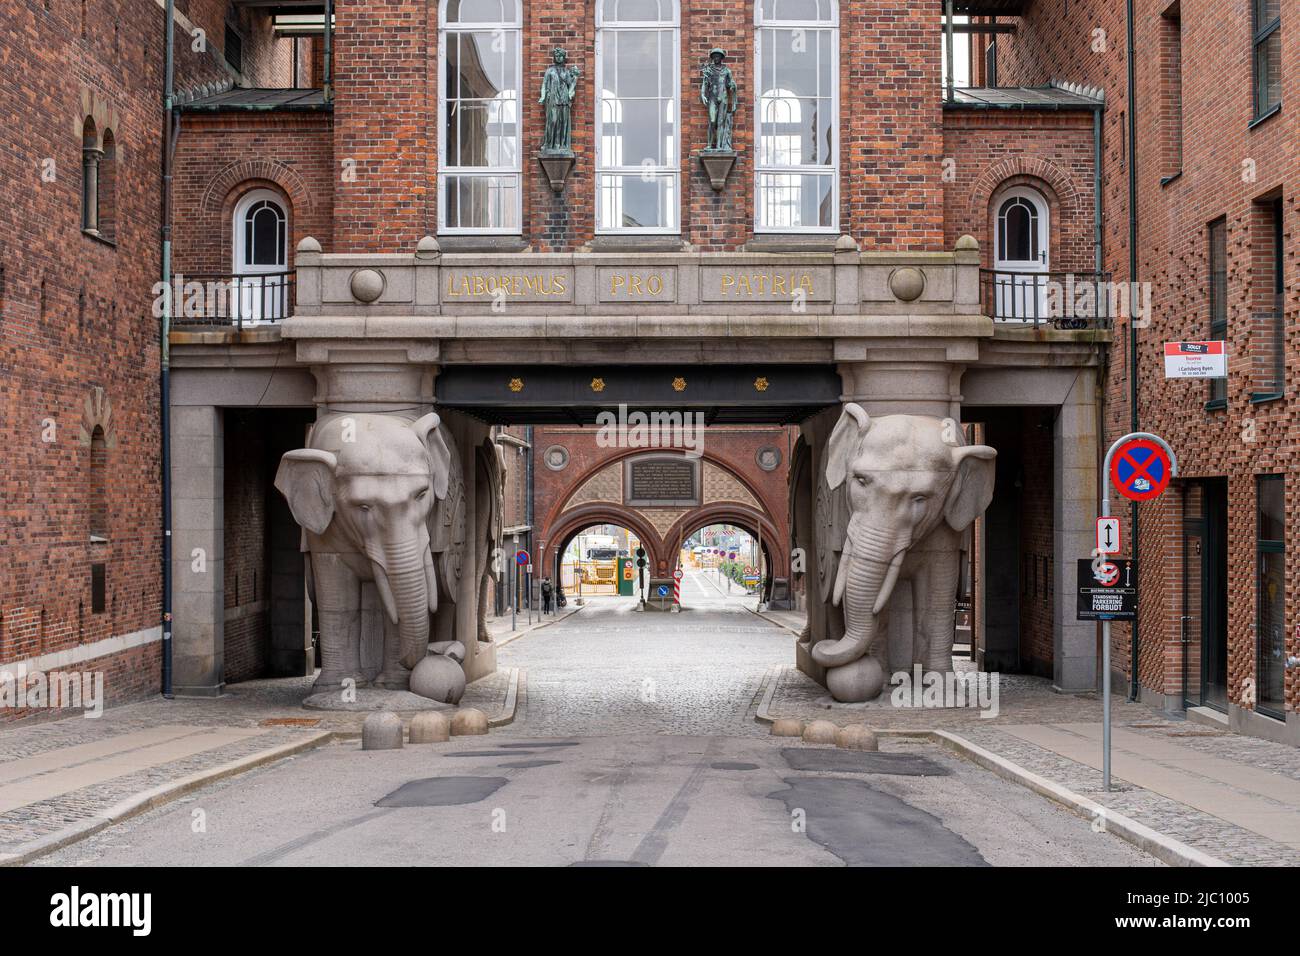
[1108, 593]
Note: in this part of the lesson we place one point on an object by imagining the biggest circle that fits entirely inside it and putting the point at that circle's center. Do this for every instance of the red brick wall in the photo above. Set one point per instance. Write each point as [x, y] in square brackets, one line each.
[1227, 167]
[386, 120]
[996, 149]
[75, 316]
[220, 157]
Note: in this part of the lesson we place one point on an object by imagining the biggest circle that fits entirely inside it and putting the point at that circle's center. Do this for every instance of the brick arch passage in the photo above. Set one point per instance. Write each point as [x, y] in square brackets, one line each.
[572, 523]
[1027, 169]
[226, 186]
[757, 524]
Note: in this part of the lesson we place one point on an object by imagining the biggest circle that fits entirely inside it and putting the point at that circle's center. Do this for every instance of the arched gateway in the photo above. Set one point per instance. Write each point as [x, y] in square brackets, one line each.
[897, 394]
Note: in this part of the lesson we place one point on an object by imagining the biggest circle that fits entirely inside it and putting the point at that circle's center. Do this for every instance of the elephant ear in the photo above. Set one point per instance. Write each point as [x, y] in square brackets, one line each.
[433, 435]
[306, 479]
[972, 490]
[843, 444]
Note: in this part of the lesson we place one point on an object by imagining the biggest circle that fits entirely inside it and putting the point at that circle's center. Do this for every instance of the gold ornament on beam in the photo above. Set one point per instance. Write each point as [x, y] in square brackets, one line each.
[679, 384]
[597, 384]
[760, 384]
[516, 385]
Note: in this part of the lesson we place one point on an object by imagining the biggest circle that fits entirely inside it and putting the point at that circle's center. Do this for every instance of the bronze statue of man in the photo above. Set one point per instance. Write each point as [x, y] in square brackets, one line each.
[559, 84]
[718, 92]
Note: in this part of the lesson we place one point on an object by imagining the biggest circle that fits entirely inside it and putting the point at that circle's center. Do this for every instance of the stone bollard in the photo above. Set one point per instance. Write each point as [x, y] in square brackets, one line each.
[382, 731]
[430, 727]
[857, 737]
[468, 722]
[819, 732]
[787, 727]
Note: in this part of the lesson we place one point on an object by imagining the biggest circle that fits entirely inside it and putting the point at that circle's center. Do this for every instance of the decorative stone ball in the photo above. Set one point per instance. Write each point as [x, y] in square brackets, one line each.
[382, 731]
[787, 727]
[907, 283]
[819, 732]
[430, 727]
[438, 678]
[852, 737]
[858, 681]
[367, 285]
[469, 722]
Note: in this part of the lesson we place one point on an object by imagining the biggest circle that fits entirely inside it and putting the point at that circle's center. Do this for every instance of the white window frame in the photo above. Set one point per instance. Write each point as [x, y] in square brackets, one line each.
[833, 24]
[675, 164]
[238, 247]
[517, 27]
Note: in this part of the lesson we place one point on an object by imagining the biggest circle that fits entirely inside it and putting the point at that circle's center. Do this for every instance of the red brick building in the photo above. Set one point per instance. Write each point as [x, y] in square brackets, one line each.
[1215, 177]
[80, 581]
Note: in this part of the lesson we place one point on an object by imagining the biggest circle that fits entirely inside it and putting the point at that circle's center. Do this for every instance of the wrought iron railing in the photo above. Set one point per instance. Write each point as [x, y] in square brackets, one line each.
[210, 299]
[1060, 300]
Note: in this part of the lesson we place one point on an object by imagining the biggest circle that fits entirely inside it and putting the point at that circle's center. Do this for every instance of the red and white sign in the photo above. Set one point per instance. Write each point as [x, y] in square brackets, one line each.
[1196, 359]
[677, 575]
[1108, 535]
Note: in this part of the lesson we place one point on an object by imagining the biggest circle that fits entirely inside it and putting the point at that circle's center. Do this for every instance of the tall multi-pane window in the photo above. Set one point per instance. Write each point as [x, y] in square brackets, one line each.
[1270, 584]
[637, 139]
[797, 181]
[1218, 294]
[478, 149]
[1267, 25]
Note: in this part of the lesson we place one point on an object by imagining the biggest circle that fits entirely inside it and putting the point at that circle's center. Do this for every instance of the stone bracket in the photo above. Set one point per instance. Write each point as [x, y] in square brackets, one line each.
[717, 166]
[557, 167]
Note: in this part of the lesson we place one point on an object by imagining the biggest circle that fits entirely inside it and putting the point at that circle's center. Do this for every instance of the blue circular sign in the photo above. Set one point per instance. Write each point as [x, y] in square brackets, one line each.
[663, 590]
[1140, 469]
[521, 557]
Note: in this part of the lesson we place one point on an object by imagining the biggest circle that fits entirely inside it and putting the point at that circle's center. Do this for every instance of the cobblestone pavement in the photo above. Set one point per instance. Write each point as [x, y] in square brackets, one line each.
[612, 670]
[1027, 700]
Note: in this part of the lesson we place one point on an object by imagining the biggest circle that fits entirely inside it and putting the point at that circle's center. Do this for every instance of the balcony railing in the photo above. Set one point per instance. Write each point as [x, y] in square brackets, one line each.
[213, 299]
[1059, 300]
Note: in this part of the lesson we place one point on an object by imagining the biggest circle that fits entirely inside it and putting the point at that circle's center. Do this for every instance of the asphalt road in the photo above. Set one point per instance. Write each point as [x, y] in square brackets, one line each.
[635, 746]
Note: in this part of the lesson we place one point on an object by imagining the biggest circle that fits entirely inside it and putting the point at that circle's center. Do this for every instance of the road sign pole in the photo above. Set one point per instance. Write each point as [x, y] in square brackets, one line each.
[1105, 625]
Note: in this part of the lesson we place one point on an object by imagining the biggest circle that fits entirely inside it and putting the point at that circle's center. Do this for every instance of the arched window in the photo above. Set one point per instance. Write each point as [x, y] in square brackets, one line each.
[1018, 222]
[90, 156]
[261, 254]
[478, 101]
[637, 116]
[98, 485]
[108, 188]
[797, 69]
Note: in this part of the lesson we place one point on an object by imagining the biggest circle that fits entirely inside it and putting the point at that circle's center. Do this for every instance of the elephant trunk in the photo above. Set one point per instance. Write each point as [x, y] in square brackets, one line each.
[870, 575]
[404, 578]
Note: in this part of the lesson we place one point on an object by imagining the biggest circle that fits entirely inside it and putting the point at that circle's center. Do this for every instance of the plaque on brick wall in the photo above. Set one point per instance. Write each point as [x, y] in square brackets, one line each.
[662, 480]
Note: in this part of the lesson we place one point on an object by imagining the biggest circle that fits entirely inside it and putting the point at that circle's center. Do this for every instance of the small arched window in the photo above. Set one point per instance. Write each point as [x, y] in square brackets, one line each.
[90, 156]
[108, 187]
[637, 141]
[797, 69]
[261, 233]
[98, 485]
[479, 156]
[1018, 239]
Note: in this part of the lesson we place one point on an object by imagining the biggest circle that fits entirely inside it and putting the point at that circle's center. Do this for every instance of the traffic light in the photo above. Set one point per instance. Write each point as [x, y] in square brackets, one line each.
[640, 557]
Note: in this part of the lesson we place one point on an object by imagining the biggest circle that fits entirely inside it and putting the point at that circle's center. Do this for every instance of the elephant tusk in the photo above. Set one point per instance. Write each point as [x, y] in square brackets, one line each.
[385, 591]
[887, 586]
[431, 581]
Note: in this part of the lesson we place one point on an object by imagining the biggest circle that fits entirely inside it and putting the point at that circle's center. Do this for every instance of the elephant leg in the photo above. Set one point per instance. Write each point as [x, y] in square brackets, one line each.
[393, 676]
[338, 608]
[936, 609]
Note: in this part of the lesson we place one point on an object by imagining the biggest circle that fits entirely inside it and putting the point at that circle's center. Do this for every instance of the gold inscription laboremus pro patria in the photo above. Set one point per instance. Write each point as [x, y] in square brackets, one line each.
[634, 283]
[471, 285]
[765, 283]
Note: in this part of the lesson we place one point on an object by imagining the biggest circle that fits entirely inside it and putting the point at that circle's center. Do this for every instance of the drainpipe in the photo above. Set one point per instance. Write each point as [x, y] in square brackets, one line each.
[1132, 332]
[327, 54]
[164, 380]
[947, 44]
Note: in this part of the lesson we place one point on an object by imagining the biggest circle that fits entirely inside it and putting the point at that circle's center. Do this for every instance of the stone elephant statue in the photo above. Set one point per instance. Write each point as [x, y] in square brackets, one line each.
[380, 498]
[898, 491]
[489, 511]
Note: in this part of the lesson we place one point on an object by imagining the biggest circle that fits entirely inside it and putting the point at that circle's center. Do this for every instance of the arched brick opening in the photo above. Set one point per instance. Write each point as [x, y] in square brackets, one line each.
[597, 513]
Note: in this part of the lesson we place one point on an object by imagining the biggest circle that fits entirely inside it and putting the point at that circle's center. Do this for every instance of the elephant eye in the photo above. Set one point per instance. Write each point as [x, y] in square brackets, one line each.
[862, 480]
[419, 495]
[365, 508]
[920, 499]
